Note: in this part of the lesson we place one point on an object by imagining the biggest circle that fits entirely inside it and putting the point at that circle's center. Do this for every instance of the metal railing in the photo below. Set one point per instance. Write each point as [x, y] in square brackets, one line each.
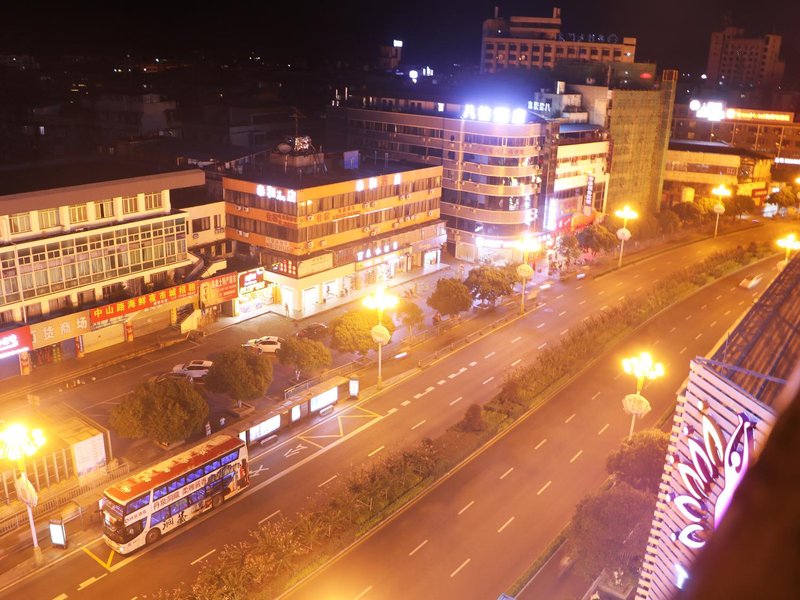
[342, 370]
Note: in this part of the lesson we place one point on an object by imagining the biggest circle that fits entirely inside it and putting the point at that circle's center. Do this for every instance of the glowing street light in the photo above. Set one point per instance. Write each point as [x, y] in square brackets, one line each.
[719, 208]
[623, 233]
[643, 368]
[525, 271]
[380, 301]
[791, 244]
[16, 442]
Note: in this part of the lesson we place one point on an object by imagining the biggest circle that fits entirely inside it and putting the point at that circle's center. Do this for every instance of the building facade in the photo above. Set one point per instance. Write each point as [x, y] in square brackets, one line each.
[537, 42]
[734, 59]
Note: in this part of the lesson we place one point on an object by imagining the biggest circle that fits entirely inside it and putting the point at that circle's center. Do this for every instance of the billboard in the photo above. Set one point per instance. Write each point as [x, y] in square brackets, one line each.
[216, 290]
[151, 300]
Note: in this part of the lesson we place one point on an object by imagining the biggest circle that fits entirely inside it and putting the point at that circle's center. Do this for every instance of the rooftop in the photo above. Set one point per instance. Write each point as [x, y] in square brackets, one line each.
[715, 148]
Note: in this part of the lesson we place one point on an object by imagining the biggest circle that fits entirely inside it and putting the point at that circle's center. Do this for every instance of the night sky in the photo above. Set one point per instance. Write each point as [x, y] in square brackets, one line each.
[673, 33]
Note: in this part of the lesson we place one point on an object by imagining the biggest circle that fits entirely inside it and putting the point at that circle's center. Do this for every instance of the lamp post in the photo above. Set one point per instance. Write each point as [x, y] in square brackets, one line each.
[791, 244]
[719, 208]
[623, 234]
[524, 270]
[643, 368]
[16, 442]
[380, 301]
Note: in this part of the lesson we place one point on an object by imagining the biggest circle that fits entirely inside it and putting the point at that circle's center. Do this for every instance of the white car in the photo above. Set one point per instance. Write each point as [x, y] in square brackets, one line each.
[268, 344]
[750, 282]
[196, 369]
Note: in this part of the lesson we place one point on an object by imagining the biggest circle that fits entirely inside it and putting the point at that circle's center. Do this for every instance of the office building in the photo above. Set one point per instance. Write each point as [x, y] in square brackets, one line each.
[734, 59]
[538, 43]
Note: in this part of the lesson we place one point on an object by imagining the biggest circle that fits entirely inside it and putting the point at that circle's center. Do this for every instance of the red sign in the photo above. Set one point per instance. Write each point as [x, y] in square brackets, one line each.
[252, 281]
[132, 305]
[15, 341]
[216, 290]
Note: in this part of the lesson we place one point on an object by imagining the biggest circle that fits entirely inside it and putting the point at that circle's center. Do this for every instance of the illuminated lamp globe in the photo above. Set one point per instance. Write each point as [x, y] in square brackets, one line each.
[380, 335]
[636, 405]
[524, 271]
[719, 209]
[624, 234]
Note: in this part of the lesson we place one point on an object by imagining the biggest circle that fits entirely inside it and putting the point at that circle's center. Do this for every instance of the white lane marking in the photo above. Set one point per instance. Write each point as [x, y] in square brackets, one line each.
[391, 411]
[688, 317]
[489, 355]
[727, 312]
[516, 339]
[569, 418]
[456, 400]
[471, 502]
[579, 287]
[364, 593]
[327, 481]
[586, 318]
[506, 524]
[562, 313]
[374, 452]
[472, 364]
[740, 303]
[652, 269]
[601, 292]
[673, 329]
[718, 297]
[268, 517]
[543, 488]
[621, 298]
[581, 302]
[683, 350]
[639, 289]
[559, 297]
[540, 444]
[417, 425]
[656, 343]
[405, 403]
[207, 554]
[506, 473]
[516, 362]
[542, 346]
[540, 325]
[563, 332]
[617, 376]
[596, 395]
[574, 458]
[703, 307]
[417, 548]
[713, 323]
[464, 564]
[603, 429]
[604, 307]
[61, 597]
[90, 581]
[619, 284]
[488, 380]
[697, 337]
[460, 371]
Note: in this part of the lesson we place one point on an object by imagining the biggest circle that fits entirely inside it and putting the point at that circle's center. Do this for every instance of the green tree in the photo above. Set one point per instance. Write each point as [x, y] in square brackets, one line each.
[688, 212]
[488, 284]
[352, 331]
[782, 198]
[450, 297]
[645, 227]
[473, 419]
[639, 462]
[597, 238]
[241, 374]
[304, 355]
[610, 529]
[746, 204]
[668, 221]
[164, 411]
[569, 247]
[410, 314]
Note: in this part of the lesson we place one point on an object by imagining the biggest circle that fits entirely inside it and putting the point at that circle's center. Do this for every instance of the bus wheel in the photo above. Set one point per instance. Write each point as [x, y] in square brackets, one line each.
[152, 536]
[216, 501]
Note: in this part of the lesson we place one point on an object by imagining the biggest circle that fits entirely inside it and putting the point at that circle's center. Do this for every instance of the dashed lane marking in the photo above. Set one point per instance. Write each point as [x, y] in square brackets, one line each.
[540, 444]
[603, 429]
[418, 424]
[374, 452]
[464, 564]
[506, 524]
[471, 502]
[417, 548]
[516, 339]
[489, 355]
[327, 481]
[543, 488]
[488, 380]
[596, 395]
[574, 458]
[516, 362]
[207, 554]
[456, 400]
[503, 476]
[569, 418]
[268, 517]
[542, 346]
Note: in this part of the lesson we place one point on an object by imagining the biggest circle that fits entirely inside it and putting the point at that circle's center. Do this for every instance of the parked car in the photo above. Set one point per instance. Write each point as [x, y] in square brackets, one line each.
[172, 375]
[313, 331]
[196, 369]
[750, 282]
[268, 344]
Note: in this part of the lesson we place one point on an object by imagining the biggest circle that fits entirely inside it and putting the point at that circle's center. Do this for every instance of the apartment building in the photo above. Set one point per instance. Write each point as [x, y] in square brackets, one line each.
[78, 234]
[734, 59]
[538, 42]
[323, 225]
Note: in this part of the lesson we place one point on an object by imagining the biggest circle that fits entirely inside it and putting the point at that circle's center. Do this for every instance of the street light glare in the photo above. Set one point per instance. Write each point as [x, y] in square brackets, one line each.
[721, 190]
[626, 213]
[643, 366]
[380, 300]
[16, 442]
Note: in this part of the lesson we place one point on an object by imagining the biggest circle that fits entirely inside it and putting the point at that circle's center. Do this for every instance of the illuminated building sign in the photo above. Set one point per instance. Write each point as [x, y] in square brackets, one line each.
[782, 160]
[252, 281]
[397, 43]
[15, 342]
[745, 114]
[216, 290]
[59, 329]
[710, 111]
[589, 189]
[151, 300]
[269, 191]
[384, 248]
[494, 114]
[539, 106]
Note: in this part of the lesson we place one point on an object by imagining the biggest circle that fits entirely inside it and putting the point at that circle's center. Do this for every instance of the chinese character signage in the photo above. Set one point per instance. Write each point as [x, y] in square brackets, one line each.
[217, 290]
[132, 305]
[15, 341]
[252, 281]
[59, 329]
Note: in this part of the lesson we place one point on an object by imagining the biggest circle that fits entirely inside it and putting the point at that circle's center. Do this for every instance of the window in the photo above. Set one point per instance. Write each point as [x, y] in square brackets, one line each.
[48, 218]
[129, 205]
[77, 213]
[152, 201]
[20, 222]
[135, 505]
[201, 224]
[104, 209]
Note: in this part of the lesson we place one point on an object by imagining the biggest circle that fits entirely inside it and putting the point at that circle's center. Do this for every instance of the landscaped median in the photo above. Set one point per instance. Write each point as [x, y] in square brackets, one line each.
[282, 552]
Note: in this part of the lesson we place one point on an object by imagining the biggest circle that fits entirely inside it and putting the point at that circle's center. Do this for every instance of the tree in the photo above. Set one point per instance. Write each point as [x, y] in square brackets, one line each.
[569, 247]
[639, 462]
[473, 419]
[410, 314]
[352, 331]
[782, 198]
[241, 374]
[165, 411]
[597, 238]
[610, 529]
[488, 284]
[450, 297]
[668, 221]
[688, 212]
[645, 227]
[746, 204]
[304, 355]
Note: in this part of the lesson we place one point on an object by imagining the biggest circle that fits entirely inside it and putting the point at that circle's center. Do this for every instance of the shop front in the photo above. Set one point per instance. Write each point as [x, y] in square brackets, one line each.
[15, 346]
[59, 339]
[256, 293]
[380, 263]
[217, 295]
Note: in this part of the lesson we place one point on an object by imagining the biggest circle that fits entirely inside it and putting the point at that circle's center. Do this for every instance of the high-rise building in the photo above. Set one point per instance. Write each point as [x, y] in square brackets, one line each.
[537, 42]
[738, 60]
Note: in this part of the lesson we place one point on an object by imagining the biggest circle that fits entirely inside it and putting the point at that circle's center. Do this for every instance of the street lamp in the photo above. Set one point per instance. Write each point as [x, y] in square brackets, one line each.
[790, 243]
[719, 208]
[380, 301]
[524, 272]
[643, 368]
[623, 234]
[16, 442]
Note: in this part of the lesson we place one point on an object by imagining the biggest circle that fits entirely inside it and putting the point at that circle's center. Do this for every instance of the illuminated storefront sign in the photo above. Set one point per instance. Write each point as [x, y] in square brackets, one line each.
[15, 341]
[269, 191]
[589, 189]
[217, 290]
[539, 106]
[324, 399]
[782, 160]
[252, 281]
[710, 111]
[494, 114]
[151, 300]
[60, 329]
[744, 114]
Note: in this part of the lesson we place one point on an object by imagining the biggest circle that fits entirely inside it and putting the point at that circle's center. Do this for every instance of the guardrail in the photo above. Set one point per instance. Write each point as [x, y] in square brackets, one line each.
[342, 370]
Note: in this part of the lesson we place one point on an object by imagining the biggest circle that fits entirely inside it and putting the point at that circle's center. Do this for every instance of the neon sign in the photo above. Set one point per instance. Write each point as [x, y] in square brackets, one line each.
[269, 191]
[11, 344]
[710, 111]
[740, 114]
[782, 160]
[494, 114]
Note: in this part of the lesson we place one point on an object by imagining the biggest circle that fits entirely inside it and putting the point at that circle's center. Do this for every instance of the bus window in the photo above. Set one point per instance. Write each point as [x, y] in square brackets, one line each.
[159, 516]
[138, 503]
[175, 484]
[194, 475]
[159, 492]
[179, 506]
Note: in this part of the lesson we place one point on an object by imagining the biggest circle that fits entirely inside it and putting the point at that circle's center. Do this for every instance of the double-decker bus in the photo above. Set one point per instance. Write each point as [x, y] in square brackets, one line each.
[143, 507]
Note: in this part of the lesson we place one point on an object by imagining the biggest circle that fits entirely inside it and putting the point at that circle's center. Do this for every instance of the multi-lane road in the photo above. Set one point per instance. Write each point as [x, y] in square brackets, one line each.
[520, 496]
